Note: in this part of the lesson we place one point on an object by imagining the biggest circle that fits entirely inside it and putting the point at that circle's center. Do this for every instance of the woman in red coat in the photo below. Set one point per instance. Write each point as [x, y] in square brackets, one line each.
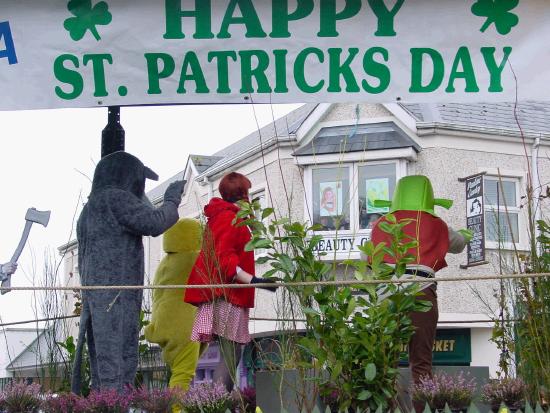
[223, 313]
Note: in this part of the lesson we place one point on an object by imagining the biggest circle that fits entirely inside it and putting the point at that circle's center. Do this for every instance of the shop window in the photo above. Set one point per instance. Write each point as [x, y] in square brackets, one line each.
[502, 211]
[374, 182]
[331, 206]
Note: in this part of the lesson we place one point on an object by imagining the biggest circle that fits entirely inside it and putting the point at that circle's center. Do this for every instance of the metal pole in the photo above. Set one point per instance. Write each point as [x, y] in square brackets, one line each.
[112, 137]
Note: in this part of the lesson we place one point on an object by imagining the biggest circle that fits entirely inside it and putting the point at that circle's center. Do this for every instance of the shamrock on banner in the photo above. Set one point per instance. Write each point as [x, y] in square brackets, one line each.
[498, 13]
[86, 18]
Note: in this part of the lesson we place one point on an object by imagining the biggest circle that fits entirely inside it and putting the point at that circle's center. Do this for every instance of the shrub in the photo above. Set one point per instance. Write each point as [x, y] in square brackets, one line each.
[456, 391]
[107, 401]
[19, 397]
[510, 391]
[156, 400]
[62, 403]
[207, 398]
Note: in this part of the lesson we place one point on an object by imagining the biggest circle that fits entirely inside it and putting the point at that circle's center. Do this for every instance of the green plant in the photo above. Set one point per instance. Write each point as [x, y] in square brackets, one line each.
[355, 332]
[70, 348]
[532, 312]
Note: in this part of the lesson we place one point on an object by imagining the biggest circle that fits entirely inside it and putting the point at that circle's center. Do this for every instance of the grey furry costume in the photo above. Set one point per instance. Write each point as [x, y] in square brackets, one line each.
[110, 252]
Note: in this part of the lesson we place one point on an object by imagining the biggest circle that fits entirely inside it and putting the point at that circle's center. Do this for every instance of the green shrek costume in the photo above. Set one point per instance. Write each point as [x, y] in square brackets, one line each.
[414, 200]
[172, 318]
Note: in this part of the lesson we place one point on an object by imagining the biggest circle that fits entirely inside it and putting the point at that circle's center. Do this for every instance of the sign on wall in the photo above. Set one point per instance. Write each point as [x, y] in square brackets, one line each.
[452, 347]
[85, 53]
[475, 220]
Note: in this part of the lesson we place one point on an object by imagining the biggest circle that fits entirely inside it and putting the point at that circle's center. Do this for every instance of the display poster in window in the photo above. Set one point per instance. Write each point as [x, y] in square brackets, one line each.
[378, 188]
[475, 219]
[330, 195]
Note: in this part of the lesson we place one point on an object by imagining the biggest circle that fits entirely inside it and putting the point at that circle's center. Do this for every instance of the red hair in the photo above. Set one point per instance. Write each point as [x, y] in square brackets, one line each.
[234, 187]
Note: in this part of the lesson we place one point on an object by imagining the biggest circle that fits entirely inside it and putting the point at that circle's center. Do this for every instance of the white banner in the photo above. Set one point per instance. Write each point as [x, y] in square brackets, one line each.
[85, 53]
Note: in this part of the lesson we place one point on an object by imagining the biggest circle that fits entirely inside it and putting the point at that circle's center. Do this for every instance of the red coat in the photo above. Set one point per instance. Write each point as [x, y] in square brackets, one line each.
[431, 232]
[222, 251]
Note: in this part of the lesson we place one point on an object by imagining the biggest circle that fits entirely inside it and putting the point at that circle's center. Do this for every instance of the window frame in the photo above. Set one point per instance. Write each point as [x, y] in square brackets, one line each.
[493, 208]
[353, 166]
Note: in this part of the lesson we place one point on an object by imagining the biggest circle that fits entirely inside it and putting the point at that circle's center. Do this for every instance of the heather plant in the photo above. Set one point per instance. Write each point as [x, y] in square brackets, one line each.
[62, 403]
[20, 397]
[508, 391]
[207, 398]
[354, 332]
[107, 401]
[456, 391]
[156, 400]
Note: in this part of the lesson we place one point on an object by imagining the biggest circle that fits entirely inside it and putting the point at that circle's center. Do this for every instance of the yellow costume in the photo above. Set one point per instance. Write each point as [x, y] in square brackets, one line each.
[172, 318]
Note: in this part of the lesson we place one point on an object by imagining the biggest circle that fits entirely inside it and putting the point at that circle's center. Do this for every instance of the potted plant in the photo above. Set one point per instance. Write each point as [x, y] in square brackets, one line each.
[19, 397]
[456, 391]
[508, 391]
[207, 398]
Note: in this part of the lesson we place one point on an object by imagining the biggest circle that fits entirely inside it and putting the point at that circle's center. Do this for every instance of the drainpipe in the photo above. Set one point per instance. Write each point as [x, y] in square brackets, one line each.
[537, 189]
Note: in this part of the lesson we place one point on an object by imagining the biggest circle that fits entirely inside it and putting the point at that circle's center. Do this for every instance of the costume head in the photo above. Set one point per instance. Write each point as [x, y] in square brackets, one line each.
[122, 171]
[414, 193]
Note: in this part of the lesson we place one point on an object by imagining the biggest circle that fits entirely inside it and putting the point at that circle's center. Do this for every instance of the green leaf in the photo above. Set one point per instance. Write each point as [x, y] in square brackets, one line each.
[257, 243]
[364, 395]
[267, 212]
[370, 372]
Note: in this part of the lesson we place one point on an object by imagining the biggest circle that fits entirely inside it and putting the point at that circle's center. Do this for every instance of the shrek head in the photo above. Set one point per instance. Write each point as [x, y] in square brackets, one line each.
[414, 193]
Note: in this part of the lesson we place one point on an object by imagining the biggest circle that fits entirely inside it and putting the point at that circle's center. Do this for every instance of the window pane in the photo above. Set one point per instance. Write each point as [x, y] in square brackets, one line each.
[499, 230]
[331, 198]
[375, 182]
[507, 192]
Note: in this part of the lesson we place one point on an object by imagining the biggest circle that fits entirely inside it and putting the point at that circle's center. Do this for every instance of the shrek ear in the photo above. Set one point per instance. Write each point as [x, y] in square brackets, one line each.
[380, 203]
[445, 203]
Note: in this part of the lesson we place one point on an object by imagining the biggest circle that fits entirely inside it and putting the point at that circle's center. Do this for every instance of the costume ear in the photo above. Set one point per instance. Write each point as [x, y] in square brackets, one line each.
[150, 174]
[380, 203]
[445, 203]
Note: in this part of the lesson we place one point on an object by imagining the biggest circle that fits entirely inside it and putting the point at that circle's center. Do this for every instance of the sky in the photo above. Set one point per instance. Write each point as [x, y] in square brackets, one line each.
[47, 160]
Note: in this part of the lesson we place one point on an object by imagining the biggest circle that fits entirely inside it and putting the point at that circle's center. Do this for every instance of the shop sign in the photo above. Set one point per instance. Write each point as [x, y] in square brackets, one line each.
[341, 244]
[452, 347]
[86, 53]
[475, 220]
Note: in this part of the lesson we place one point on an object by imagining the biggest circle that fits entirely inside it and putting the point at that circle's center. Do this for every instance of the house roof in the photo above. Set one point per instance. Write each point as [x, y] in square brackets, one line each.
[202, 162]
[287, 125]
[531, 116]
[350, 138]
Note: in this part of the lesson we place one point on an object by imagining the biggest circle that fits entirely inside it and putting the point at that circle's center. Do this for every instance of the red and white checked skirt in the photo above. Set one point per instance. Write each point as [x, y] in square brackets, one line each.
[220, 318]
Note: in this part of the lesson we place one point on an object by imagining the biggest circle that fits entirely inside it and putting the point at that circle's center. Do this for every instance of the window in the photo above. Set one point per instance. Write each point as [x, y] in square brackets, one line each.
[502, 211]
[375, 182]
[331, 206]
[343, 197]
